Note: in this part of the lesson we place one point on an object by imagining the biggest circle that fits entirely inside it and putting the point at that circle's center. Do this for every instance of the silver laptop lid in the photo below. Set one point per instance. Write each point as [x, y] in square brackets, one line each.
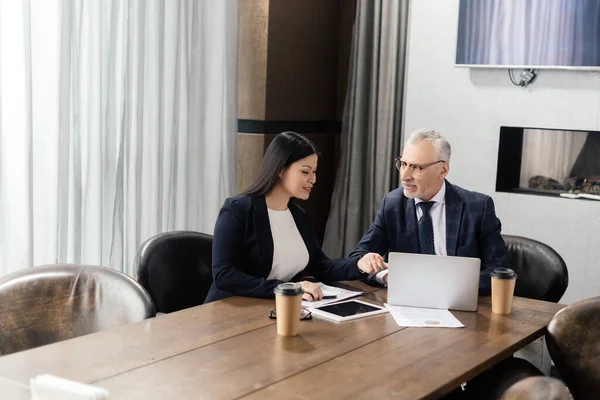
[430, 281]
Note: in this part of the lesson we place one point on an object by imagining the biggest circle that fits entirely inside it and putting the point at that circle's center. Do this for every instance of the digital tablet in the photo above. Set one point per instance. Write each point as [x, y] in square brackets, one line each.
[347, 310]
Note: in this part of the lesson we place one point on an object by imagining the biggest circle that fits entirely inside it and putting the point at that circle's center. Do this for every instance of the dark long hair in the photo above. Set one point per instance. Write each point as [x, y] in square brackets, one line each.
[284, 150]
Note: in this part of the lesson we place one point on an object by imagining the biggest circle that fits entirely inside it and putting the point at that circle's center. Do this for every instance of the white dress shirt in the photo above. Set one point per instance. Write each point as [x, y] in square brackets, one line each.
[290, 254]
[438, 219]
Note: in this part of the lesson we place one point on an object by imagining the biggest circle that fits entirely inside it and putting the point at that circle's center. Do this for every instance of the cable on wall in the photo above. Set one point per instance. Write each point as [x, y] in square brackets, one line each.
[527, 76]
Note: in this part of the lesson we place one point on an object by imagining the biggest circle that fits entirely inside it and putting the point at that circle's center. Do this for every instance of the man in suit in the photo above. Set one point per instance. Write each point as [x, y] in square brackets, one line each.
[429, 215]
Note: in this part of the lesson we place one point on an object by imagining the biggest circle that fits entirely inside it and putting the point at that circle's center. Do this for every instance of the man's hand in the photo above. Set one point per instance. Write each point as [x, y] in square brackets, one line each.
[371, 263]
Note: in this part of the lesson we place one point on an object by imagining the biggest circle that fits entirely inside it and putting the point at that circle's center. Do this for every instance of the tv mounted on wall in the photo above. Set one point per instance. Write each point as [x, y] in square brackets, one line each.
[530, 34]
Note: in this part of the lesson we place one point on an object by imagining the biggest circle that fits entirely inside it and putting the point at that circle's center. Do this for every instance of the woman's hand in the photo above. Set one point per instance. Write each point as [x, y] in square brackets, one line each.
[371, 263]
[312, 291]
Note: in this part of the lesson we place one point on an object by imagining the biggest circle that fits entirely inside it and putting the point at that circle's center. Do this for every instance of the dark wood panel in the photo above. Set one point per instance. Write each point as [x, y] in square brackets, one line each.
[273, 127]
[250, 152]
[303, 48]
[245, 363]
[253, 20]
[107, 353]
[421, 363]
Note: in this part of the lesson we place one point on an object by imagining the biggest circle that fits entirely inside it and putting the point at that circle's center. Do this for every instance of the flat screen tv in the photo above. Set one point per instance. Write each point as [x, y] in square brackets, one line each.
[532, 34]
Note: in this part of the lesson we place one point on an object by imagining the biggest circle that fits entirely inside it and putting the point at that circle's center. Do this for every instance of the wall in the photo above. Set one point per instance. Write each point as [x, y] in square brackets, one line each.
[468, 106]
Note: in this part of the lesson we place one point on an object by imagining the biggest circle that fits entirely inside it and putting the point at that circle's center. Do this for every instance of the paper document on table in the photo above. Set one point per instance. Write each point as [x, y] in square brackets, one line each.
[423, 317]
[338, 293]
[50, 387]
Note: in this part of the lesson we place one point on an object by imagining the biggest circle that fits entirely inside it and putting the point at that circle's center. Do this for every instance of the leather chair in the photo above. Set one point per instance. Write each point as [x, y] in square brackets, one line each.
[573, 339]
[176, 269]
[538, 388]
[542, 272]
[51, 303]
[542, 275]
[494, 382]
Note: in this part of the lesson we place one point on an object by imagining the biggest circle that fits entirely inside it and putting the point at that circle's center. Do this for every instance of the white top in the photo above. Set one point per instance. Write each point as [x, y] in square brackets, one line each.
[290, 254]
[438, 219]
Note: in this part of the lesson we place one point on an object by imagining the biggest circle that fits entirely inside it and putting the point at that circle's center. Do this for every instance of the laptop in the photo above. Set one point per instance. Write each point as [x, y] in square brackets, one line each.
[430, 281]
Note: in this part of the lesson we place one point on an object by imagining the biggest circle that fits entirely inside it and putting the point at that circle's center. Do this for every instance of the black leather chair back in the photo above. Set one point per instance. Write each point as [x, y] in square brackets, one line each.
[176, 269]
[542, 272]
[51, 303]
[573, 339]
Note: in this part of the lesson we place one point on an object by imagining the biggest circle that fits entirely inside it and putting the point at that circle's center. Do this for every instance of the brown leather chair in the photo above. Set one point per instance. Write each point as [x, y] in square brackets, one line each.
[538, 388]
[176, 269]
[51, 303]
[542, 272]
[573, 339]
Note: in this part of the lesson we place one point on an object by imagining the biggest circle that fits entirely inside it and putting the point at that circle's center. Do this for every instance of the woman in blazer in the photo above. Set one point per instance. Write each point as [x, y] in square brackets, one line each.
[262, 238]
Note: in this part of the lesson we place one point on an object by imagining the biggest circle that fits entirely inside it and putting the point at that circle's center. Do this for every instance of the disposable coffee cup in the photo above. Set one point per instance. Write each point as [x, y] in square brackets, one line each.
[288, 304]
[503, 289]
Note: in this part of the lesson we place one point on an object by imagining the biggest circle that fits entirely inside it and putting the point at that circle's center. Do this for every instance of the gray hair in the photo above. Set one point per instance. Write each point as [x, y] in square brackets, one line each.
[441, 145]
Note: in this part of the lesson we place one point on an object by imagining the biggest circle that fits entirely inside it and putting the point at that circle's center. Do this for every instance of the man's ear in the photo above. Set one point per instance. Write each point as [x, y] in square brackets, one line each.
[445, 169]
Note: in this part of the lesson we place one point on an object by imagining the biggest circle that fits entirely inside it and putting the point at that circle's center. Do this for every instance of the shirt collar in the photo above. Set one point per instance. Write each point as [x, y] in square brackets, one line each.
[440, 196]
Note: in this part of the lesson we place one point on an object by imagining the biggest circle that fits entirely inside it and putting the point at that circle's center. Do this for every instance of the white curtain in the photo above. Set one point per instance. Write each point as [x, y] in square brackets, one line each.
[549, 153]
[118, 121]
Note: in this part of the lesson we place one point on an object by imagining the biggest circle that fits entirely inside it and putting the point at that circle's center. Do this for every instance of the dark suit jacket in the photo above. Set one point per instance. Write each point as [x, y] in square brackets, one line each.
[472, 229]
[243, 251]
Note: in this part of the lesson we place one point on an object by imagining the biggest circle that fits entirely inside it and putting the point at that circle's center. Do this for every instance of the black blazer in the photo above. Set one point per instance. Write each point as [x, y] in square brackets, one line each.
[243, 251]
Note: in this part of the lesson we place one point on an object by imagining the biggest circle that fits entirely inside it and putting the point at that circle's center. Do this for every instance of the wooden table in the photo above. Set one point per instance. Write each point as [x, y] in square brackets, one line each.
[230, 349]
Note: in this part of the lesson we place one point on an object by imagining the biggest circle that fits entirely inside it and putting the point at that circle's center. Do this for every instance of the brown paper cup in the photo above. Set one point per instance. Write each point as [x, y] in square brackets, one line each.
[503, 289]
[288, 303]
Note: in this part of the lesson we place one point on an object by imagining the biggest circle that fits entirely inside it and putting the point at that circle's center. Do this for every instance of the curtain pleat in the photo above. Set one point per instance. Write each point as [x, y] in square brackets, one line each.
[371, 126]
[118, 122]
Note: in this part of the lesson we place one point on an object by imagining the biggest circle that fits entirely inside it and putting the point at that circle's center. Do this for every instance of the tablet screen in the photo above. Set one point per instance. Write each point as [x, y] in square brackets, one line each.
[348, 308]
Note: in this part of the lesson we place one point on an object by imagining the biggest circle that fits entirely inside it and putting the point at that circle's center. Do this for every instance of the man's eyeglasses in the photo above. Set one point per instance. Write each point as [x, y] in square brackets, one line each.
[304, 315]
[414, 168]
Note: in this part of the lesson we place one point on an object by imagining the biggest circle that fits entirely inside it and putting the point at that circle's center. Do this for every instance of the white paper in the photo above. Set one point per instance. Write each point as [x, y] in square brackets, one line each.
[423, 317]
[589, 196]
[569, 195]
[49, 387]
[339, 293]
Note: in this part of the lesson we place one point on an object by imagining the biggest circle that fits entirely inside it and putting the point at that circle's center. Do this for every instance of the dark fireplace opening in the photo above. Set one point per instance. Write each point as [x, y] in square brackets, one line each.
[549, 162]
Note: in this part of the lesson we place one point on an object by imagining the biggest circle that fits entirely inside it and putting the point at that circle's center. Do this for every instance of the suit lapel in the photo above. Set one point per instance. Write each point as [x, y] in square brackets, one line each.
[263, 235]
[454, 209]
